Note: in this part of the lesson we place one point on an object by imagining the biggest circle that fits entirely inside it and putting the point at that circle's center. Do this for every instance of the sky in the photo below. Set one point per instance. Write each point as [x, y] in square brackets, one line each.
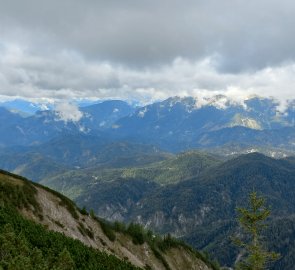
[146, 50]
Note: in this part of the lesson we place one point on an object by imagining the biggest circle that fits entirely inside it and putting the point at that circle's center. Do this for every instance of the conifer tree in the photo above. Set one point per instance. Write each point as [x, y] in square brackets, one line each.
[252, 220]
[64, 261]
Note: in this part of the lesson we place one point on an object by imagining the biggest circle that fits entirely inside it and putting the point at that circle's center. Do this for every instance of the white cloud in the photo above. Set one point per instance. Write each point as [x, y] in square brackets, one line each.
[68, 112]
[247, 35]
[67, 76]
[62, 50]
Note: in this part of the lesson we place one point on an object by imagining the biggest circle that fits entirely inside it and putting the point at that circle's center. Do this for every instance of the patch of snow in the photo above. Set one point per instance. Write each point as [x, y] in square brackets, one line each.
[253, 150]
[142, 112]
[83, 129]
[102, 123]
[21, 130]
[221, 102]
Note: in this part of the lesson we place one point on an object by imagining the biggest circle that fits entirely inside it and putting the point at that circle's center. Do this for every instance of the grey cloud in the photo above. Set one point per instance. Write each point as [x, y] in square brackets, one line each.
[68, 77]
[146, 50]
[245, 35]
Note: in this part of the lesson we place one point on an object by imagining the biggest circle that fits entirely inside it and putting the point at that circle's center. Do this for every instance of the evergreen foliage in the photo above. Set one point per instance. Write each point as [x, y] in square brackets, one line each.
[252, 220]
[25, 245]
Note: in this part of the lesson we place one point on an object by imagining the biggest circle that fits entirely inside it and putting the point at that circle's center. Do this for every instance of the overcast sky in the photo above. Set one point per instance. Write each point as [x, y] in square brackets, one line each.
[146, 50]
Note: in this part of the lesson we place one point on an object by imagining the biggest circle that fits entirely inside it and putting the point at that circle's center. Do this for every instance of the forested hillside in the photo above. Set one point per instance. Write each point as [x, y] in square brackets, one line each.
[196, 205]
[38, 228]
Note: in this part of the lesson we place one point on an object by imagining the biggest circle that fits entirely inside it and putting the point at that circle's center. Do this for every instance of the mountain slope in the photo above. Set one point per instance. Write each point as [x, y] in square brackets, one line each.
[70, 152]
[57, 213]
[202, 209]
[32, 165]
[177, 124]
[105, 114]
[43, 126]
[283, 138]
[84, 185]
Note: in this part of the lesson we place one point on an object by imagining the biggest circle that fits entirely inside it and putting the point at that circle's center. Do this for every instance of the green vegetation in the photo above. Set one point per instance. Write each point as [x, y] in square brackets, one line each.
[207, 206]
[21, 193]
[212, 196]
[159, 244]
[18, 192]
[25, 245]
[34, 166]
[69, 152]
[137, 233]
[252, 219]
[175, 169]
[107, 230]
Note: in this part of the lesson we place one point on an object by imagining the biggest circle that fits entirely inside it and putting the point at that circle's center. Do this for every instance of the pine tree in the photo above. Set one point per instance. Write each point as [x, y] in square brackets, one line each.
[14, 250]
[64, 261]
[252, 220]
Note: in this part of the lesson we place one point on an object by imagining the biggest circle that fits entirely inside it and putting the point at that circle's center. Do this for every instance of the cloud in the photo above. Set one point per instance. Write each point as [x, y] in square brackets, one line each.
[246, 35]
[68, 112]
[146, 50]
[68, 76]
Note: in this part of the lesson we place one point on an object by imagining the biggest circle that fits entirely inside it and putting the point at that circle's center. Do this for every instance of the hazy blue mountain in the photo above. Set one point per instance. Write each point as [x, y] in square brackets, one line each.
[32, 165]
[175, 124]
[179, 123]
[10, 125]
[105, 114]
[32, 130]
[71, 152]
[281, 138]
[87, 150]
[22, 106]
[45, 125]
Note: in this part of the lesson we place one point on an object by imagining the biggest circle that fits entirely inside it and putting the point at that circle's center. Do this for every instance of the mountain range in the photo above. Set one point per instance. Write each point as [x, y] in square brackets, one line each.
[179, 167]
[174, 125]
